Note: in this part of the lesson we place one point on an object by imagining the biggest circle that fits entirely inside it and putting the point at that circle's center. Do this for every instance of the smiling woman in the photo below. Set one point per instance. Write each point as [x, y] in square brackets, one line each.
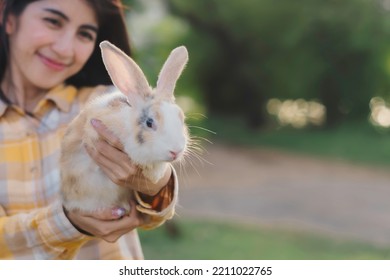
[50, 66]
[57, 21]
[50, 35]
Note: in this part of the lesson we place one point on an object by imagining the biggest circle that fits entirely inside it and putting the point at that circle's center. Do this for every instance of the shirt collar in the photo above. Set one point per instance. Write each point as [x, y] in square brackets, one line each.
[62, 96]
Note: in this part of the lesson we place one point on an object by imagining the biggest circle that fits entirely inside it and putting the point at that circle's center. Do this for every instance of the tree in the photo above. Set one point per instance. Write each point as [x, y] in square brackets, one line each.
[252, 50]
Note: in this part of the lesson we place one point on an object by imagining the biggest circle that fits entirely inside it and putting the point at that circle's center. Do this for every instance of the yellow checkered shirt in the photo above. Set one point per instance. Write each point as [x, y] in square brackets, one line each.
[32, 222]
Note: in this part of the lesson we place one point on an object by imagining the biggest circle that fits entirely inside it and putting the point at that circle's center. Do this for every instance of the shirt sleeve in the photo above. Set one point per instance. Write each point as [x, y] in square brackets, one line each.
[44, 233]
[162, 207]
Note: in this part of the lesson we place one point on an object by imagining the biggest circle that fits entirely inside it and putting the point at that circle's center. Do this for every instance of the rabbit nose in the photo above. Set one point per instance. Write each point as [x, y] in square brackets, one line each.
[174, 154]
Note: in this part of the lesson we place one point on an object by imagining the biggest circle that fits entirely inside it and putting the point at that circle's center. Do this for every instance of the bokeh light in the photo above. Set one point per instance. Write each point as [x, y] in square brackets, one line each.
[298, 113]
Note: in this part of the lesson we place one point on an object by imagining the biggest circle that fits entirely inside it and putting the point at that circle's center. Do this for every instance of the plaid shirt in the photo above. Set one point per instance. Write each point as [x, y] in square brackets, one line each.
[32, 222]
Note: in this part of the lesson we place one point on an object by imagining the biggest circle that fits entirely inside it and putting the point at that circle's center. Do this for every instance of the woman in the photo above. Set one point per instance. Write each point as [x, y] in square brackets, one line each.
[49, 66]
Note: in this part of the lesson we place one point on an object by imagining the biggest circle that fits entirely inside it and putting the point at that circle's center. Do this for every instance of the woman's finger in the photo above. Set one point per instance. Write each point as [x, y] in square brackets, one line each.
[119, 171]
[106, 134]
[112, 158]
[108, 214]
[129, 222]
[114, 155]
[100, 225]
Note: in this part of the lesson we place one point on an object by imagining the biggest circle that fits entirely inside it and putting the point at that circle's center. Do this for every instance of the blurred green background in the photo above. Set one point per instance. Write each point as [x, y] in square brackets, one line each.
[310, 77]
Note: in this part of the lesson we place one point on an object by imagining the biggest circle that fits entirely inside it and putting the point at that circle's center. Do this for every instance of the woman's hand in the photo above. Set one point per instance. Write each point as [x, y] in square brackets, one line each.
[108, 224]
[117, 165]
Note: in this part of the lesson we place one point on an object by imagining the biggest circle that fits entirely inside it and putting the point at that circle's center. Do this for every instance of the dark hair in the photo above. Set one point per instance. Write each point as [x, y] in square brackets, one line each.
[112, 27]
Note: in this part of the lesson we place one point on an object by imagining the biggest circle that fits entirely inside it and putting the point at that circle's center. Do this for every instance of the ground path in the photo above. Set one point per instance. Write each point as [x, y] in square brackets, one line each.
[271, 187]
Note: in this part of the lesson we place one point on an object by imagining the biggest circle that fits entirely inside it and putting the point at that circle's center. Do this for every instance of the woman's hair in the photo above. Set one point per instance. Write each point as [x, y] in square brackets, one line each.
[112, 27]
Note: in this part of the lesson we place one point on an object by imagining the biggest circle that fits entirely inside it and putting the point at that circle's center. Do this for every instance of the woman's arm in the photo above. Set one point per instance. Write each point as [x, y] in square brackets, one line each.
[159, 207]
[44, 233]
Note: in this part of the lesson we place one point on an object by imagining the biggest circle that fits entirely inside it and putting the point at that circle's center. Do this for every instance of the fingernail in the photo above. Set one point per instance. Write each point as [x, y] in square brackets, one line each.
[118, 212]
[94, 122]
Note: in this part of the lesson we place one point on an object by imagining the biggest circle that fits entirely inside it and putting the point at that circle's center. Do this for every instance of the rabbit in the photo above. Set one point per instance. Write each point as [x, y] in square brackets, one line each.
[150, 125]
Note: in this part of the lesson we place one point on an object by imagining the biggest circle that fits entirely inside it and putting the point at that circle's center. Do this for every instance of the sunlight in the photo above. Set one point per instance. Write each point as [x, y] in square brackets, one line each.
[189, 105]
[186, 103]
[298, 113]
[380, 112]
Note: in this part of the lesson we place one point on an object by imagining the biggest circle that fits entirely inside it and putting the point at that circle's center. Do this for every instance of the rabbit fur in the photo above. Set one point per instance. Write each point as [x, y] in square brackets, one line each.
[149, 124]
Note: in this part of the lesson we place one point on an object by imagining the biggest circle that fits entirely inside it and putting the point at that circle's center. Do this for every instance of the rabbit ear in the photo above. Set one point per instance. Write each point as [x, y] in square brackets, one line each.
[124, 72]
[171, 71]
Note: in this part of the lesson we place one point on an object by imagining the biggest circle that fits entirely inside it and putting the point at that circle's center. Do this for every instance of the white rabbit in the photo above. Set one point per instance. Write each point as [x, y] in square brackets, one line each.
[149, 124]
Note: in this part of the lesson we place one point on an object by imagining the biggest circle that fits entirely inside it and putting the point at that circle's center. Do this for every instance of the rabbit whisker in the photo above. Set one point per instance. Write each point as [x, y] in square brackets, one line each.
[199, 138]
[195, 116]
[202, 128]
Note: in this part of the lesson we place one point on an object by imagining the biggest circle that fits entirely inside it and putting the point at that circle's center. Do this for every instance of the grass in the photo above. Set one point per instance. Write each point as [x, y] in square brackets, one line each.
[211, 240]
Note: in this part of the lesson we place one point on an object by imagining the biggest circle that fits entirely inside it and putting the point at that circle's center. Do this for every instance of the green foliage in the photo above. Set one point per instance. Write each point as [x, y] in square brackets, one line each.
[249, 51]
[200, 240]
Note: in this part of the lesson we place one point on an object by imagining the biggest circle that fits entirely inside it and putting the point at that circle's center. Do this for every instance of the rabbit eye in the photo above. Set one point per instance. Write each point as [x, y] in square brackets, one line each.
[149, 122]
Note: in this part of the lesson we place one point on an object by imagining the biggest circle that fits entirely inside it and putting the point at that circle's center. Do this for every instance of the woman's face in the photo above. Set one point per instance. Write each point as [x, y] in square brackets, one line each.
[50, 41]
